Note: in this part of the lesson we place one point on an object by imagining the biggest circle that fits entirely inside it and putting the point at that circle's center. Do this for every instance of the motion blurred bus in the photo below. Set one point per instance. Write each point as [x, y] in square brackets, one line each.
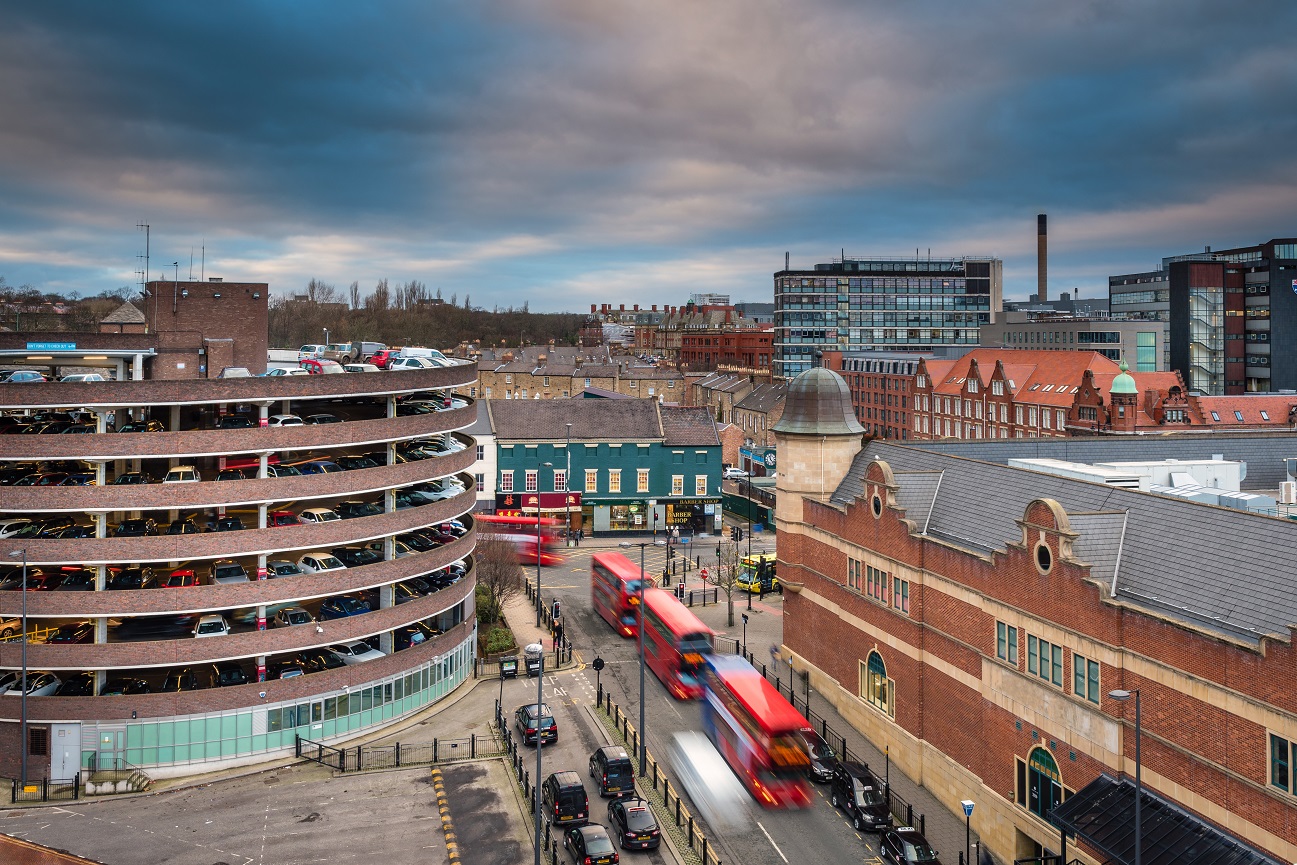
[676, 644]
[614, 590]
[522, 532]
[757, 732]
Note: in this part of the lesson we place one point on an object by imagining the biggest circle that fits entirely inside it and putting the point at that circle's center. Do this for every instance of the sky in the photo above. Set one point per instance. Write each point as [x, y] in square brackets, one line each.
[572, 152]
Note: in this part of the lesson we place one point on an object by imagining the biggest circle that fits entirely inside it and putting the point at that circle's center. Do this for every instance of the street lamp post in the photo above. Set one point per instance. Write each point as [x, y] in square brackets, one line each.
[567, 488]
[326, 337]
[643, 750]
[1122, 696]
[745, 634]
[540, 740]
[23, 708]
[538, 602]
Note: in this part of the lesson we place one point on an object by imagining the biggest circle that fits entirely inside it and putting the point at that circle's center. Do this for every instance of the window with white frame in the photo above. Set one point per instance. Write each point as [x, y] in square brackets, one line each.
[481, 482]
[560, 480]
[614, 480]
[592, 480]
[533, 480]
[700, 485]
[677, 485]
[506, 481]
[641, 480]
[1062, 419]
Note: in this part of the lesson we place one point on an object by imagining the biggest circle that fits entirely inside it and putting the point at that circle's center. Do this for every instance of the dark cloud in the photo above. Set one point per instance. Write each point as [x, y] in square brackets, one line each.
[580, 148]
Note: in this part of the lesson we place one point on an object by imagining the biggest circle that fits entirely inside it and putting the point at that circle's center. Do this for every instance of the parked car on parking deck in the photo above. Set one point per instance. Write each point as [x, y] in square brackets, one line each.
[318, 515]
[227, 571]
[183, 475]
[38, 684]
[284, 420]
[342, 606]
[282, 568]
[318, 561]
[136, 528]
[125, 686]
[212, 625]
[290, 616]
[356, 652]
[73, 632]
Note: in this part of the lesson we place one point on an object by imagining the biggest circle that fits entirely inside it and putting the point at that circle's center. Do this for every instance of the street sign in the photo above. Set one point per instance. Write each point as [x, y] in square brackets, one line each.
[702, 574]
[597, 663]
[968, 807]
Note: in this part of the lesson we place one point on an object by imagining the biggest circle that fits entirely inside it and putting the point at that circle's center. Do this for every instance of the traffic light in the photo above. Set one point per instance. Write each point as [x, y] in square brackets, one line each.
[734, 533]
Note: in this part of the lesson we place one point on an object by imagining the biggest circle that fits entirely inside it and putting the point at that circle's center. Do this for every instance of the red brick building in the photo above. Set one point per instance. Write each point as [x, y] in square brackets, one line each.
[881, 385]
[974, 619]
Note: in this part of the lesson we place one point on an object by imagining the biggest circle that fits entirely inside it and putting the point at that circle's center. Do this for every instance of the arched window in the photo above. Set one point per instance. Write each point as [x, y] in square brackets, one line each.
[875, 686]
[1044, 783]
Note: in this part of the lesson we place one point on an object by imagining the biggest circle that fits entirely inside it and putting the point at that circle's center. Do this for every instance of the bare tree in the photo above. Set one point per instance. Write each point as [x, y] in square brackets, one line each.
[355, 295]
[729, 561]
[498, 571]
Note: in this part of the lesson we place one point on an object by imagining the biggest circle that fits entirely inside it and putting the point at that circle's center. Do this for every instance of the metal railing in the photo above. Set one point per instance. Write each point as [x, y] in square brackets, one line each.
[46, 790]
[398, 755]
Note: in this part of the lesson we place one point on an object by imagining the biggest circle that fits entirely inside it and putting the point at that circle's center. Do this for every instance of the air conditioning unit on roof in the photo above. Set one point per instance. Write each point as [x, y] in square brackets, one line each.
[1288, 493]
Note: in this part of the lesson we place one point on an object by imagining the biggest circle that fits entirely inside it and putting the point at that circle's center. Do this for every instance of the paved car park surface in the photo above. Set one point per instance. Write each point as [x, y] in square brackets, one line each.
[289, 816]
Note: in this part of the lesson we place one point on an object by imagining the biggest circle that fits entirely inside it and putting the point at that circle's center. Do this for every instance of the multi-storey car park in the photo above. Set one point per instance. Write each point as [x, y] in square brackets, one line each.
[154, 696]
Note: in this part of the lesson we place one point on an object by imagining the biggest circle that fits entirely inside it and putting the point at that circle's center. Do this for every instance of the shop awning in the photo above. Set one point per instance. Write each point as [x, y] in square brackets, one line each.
[1102, 814]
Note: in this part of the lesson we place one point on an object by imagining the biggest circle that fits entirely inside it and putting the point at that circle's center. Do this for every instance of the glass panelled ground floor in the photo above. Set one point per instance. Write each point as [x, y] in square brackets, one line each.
[189, 743]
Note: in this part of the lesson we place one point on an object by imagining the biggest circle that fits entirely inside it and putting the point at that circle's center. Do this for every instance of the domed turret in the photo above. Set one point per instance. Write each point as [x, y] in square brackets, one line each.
[818, 403]
[1124, 382]
[815, 440]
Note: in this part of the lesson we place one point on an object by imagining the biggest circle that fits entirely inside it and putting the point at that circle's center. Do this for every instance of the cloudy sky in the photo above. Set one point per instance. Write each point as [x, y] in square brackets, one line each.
[570, 152]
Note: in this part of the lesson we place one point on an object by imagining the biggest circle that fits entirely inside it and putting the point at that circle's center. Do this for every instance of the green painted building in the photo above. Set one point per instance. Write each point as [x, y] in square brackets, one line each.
[609, 466]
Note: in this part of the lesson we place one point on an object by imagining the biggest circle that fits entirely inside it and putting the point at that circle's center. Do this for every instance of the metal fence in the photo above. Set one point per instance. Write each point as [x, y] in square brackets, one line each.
[398, 755]
[46, 790]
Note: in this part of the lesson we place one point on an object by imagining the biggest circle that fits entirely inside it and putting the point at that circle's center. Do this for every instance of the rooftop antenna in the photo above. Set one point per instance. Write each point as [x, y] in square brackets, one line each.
[191, 264]
[203, 270]
[145, 281]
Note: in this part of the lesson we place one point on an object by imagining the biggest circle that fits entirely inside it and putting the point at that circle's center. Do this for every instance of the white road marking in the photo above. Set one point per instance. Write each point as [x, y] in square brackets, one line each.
[265, 830]
[772, 841]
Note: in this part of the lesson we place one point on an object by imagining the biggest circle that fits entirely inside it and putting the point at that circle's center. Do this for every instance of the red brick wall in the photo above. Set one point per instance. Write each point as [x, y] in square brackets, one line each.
[237, 311]
[1193, 743]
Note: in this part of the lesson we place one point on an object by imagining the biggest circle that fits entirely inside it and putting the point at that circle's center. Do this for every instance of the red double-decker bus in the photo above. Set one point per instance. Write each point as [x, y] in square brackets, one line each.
[521, 531]
[614, 591]
[676, 644]
[757, 732]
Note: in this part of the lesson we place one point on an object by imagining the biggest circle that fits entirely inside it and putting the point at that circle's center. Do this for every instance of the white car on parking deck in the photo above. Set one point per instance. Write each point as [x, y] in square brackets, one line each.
[356, 652]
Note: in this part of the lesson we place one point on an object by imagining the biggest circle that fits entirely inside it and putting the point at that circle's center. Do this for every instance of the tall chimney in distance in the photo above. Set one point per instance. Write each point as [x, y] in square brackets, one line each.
[1042, 259]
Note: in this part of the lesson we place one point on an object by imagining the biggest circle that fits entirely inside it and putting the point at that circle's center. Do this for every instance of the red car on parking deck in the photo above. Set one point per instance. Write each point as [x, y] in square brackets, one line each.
[381, 358]
[282, 518]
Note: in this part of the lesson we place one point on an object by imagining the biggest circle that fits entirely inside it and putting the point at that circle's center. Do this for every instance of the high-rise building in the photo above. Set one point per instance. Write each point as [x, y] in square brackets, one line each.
[1218, 311]
[895, 304]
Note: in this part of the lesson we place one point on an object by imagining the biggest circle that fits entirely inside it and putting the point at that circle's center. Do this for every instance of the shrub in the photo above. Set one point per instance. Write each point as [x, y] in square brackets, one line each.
[498, 640]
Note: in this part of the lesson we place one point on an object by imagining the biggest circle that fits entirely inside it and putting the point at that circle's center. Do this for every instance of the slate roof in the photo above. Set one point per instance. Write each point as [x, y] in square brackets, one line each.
[764, 398]
[1215, 568]
[482, 425]
[127, 313]
[689, 426]
[591, 419]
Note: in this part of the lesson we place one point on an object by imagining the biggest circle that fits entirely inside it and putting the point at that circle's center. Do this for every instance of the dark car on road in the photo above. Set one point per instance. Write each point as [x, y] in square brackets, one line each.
[590, 845]
[611, 769]
[823, 758]
[906, 845]
[633, 824]
[525, 719]
[854, 791]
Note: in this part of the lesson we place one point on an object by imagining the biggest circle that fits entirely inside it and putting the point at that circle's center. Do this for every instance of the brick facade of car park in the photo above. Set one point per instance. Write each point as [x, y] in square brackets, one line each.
[215, 598]
[230, 316]
[960, 718]
[186, 650]
[220, 442]
[290, 541]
